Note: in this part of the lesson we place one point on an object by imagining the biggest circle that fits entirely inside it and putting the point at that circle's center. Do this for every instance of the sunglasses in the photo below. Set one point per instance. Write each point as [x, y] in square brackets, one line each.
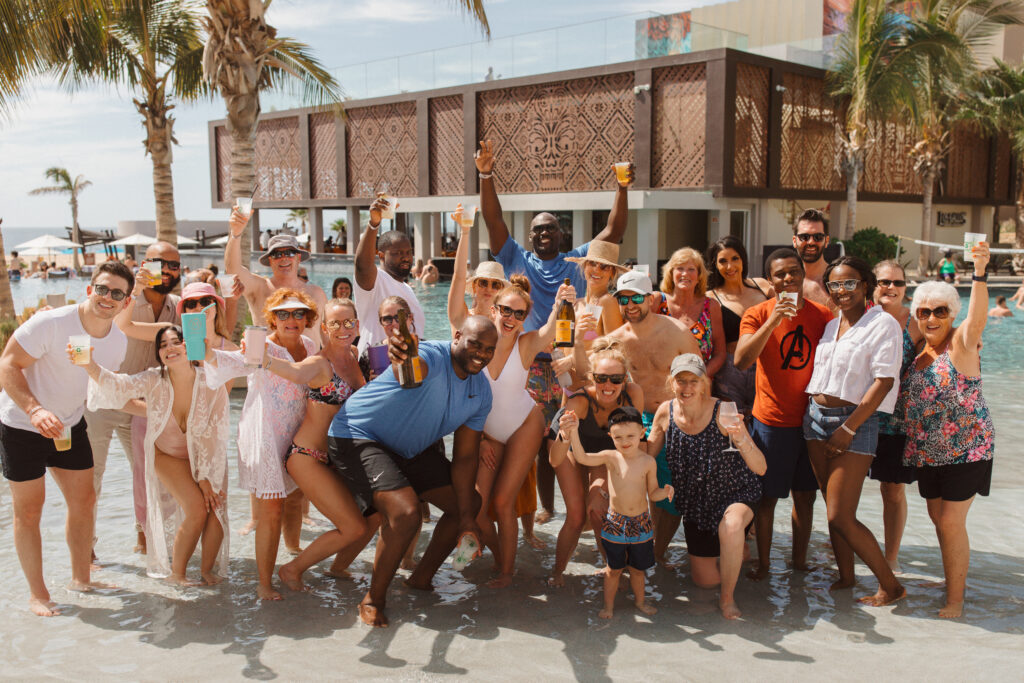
[538, 229]
[284, 315]
[388, 319]
[603, 379]
[892, 283]
[347, 323]
[282, 253]
[508, 311]
[600, 266]
[808, 236]
[840, 285]
[635, 298]
[202, 302]
[115, 294]
[940, 312]
[169, 265]
[493, 284]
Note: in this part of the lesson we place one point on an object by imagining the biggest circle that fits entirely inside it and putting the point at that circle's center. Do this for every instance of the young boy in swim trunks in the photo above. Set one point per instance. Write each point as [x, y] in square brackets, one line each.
[628, 532]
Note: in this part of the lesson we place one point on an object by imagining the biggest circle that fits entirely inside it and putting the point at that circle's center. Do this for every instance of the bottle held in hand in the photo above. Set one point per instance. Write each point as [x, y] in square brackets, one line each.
[410, 372]
[565, 324]
[465, 551]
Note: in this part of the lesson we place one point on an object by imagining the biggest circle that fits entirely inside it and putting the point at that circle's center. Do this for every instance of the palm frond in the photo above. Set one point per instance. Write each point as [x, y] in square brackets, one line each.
[292, 68]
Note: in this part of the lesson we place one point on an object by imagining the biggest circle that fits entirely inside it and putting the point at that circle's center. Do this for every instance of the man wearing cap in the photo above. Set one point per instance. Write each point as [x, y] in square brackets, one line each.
[375, 283]
[283, 255]
[652, 341]
[154, 304]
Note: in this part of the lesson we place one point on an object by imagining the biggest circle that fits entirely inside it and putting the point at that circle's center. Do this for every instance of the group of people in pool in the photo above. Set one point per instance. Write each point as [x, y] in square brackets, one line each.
[712, 397]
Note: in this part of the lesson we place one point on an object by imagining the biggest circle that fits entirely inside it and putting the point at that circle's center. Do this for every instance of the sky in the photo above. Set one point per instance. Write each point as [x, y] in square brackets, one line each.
[96, 131]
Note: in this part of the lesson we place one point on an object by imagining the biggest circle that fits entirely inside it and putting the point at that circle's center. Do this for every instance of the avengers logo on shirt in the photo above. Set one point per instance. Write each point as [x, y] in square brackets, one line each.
[795, 350]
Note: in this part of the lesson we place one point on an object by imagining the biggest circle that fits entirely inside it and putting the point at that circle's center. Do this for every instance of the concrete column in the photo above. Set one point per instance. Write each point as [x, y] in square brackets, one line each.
[649, 234]
[353, 229]
[837, 221]
[436, 241]
[522, 232]
[423, 237]
[254, 226]
[582, 225]
[316, 231]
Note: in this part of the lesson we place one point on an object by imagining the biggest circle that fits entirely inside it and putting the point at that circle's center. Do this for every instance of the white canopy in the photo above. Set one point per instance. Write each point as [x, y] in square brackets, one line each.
[50, 242]
[136, 240]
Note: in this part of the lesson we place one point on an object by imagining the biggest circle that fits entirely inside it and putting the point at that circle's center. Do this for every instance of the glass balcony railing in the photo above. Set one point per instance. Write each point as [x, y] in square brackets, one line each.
[605, 41]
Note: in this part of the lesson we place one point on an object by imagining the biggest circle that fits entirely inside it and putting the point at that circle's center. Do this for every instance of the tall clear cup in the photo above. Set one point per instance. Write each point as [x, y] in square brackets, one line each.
[80, 344]
[63, 442]
[255, 342]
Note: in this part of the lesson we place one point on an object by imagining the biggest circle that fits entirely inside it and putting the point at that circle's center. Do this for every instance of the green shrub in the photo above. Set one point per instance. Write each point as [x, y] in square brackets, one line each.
[872, 245]
[7, 328]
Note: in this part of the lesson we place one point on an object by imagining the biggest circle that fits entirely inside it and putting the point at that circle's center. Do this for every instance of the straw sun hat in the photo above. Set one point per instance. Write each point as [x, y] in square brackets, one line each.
[490, 270]
[601, 252]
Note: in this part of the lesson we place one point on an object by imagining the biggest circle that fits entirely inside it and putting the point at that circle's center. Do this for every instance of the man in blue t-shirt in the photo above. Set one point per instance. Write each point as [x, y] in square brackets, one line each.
[546, 269]
[384, 444]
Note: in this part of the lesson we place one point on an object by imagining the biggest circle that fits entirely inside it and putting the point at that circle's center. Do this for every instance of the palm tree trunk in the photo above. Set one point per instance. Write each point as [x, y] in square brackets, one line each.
[852, 179]
[159, 144]
[242, 123]
[927, 231]
[6, 297]
[76, 235]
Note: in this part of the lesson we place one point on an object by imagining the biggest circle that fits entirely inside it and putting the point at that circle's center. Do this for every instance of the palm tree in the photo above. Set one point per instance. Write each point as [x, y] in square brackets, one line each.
[6, 298]
[963, 27]
[154, 47]
[72, 188]
[870, 67]
[302, 216]
[340, 226]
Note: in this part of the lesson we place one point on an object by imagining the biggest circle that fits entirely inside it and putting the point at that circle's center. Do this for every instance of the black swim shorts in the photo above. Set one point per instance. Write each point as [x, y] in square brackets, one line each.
[367, 467]
[25, 455]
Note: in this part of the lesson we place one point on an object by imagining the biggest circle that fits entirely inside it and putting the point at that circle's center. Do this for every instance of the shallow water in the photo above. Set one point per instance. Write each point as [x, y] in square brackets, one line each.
[792, 625]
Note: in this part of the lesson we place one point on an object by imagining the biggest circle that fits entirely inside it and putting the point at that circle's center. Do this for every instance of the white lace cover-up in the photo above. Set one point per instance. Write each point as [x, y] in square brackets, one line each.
[274, 408]
[208, 429]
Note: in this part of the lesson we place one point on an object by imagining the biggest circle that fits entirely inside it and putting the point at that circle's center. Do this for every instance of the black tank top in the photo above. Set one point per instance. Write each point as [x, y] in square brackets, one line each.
[731, 319]
[594, 437]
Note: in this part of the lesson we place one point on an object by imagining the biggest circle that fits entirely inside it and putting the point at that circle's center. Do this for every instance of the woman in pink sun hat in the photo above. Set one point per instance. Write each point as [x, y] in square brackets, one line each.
[194, 298]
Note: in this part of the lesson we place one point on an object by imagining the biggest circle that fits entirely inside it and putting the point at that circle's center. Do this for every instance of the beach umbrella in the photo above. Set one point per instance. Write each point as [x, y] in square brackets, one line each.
[220, 241]
[48, 242]
[136, 240]
[186, 241]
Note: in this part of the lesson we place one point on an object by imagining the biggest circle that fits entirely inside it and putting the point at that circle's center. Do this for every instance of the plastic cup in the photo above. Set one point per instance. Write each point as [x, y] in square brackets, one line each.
[255, 342]
[80, 344]
[789, 296]
[594, 310]
[378, 356]
[244, 205]
[468, 216]
[622, 172]
[971, 240]
[55, 300]
[155, 269]
[388, 211]
[226, 283]
[63, 442]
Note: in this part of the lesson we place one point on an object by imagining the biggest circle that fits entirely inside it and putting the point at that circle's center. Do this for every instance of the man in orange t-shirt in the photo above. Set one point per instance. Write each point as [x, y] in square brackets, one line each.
[781, 337]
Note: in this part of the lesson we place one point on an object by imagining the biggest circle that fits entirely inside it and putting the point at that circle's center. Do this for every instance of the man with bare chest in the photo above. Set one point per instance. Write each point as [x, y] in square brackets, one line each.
[651, 342]
[810, 238]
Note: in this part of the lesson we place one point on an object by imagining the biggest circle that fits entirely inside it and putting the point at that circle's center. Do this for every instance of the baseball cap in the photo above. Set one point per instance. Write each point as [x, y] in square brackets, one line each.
[688, 362]
[634, 281]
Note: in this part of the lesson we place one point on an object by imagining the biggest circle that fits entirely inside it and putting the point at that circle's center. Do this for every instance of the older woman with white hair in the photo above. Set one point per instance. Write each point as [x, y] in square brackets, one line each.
[950, 437]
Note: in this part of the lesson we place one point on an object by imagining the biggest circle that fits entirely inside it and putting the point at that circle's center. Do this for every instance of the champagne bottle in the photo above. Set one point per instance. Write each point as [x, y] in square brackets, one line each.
[565, 324]
[410, 372]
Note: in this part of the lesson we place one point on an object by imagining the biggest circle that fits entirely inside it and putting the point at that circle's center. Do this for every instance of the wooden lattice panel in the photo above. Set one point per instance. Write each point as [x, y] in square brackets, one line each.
[967, 165]
[1003, 170]
[323, 156]
[750, 163]
[447, 137]
[559, 137]
[381, 150]
[888, 166]
[811, 129]
[278, 159]
[679, 97]
[223, 140]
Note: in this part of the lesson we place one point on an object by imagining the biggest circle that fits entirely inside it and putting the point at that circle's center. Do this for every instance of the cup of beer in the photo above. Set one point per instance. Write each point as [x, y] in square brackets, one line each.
[155, 271]
[80, 344]
[467, 216]
[63, 442]
[255, 342]
[622, 172]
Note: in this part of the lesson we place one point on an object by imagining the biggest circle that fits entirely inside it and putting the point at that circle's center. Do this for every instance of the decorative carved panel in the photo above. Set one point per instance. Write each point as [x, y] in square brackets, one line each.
[750, 163]
[323, 156]
[278, 160]
[559, 137]
[811, 130]
[679, 100]
[967, 164]
[223, 152]
[888, 168]
[447, 137]
[381, 150]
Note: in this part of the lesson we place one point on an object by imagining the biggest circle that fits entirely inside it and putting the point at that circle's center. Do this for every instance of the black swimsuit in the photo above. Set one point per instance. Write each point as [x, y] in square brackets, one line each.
[731, 319]
[593, 436]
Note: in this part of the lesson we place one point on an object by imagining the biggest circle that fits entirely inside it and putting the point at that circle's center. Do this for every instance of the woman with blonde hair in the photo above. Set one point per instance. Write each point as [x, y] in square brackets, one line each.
[585, 489]
[274, 408]
[684, 284]
[600, 269]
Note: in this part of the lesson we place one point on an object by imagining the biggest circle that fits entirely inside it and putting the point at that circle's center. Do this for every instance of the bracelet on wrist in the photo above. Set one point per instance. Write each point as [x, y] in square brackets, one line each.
[851, 432]
[35, 410]
[484, 176]
[979, 278]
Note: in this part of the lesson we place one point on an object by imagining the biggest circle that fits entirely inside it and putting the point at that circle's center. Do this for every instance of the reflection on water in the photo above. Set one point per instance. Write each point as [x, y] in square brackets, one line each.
[791, 618]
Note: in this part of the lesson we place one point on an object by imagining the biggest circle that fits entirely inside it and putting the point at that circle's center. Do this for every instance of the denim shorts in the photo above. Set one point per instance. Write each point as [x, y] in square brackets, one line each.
[820, 422]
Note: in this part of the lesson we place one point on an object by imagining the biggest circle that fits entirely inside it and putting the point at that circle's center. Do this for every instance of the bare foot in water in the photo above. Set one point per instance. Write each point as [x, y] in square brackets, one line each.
[291, 578]
[249, 526]
[883, 598]
[730, 610]
[952, 610]
[43, 607]
[268, 593]
[803, 566]
[646, 607]
[428, 586]
[140, 543]
[372, 615]
[842, 584]
[665, 564]
[542, 517]
[556, 580]
[500, 581]
[339, 573]
[293, 551]
[758, 572]
[894, 565]
[82, 587]
[407, 563]
[605, 613]
[211, 579]
[94, 563]
[534, 541]
[181, 580]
